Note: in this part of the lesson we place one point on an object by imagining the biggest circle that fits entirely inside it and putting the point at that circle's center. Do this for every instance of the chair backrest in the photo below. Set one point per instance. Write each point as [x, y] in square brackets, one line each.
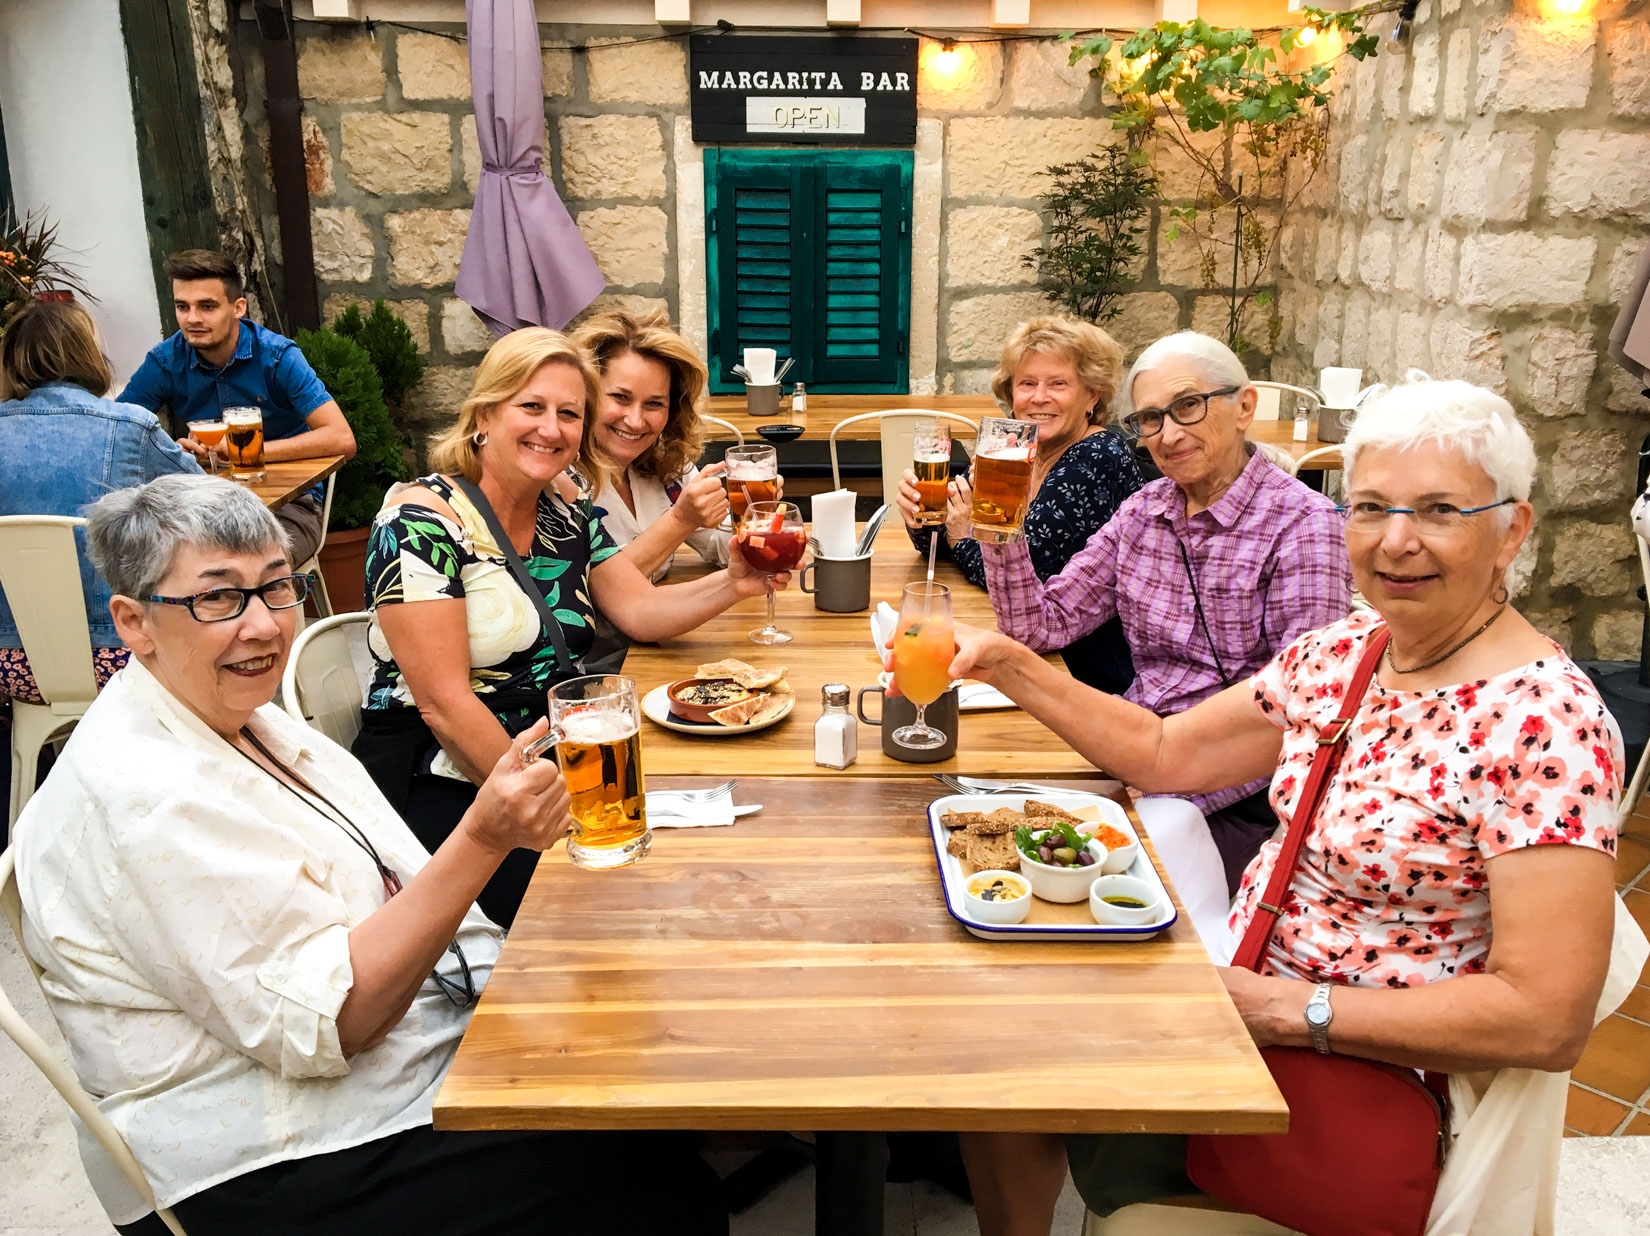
[896, 431]
[320, 686]
[728, 425]
[59, 1074]
[40, 572]
[1310, 398]
[1318, 457]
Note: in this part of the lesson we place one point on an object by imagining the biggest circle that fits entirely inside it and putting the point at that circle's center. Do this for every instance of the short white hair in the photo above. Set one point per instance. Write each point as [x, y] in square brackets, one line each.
[1216, 363]
[1476, 424]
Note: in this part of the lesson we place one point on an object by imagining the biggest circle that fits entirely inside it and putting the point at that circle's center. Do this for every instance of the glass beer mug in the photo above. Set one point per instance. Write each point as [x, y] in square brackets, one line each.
[596, 729]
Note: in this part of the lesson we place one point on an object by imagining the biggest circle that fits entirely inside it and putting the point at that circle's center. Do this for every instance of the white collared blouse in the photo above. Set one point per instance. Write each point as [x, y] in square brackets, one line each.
[653, 502]
[192, 916]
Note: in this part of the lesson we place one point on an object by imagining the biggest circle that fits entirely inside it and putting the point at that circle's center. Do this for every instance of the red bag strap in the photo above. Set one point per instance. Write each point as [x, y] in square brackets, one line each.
[1331, 742]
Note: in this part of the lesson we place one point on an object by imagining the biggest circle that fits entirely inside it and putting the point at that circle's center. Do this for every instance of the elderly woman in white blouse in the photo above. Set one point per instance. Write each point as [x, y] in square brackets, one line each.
[259, 971]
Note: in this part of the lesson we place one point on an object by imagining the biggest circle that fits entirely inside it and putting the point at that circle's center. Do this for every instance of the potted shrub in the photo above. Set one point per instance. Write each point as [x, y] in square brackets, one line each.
[29, 267]
[346, 369]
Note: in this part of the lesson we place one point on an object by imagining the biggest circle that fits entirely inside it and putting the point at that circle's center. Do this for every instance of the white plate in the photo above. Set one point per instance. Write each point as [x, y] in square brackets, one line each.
[953, 875]
[656, 706]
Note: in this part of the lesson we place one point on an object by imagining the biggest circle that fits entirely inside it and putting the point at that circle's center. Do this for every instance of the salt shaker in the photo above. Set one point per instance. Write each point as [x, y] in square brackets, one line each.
[799, 403]
[836, 733]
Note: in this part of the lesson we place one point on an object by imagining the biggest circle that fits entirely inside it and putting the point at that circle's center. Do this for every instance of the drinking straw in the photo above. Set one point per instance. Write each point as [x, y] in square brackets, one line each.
[933, 548]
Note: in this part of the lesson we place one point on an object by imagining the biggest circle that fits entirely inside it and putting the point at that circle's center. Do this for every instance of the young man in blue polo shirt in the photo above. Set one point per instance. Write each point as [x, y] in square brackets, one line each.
[218, 359]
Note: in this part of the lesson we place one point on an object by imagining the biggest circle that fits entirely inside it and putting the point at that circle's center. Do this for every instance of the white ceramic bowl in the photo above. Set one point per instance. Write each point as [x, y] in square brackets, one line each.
[1063, 884]
[1119, 860]
[1000, 912]
[1109, 915]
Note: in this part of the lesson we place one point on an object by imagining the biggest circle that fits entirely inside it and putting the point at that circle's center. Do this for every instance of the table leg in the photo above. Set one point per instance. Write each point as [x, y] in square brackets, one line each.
[848, 1183]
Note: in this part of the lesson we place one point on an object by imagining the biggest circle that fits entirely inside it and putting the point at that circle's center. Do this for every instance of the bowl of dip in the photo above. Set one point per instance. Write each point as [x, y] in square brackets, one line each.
[1000, 897]
[1125, 901]
[694, 699]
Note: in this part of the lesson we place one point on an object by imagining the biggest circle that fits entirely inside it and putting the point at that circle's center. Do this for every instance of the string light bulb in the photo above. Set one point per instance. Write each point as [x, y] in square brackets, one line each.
[1568, 7]
[948, 57]
[1305, 35]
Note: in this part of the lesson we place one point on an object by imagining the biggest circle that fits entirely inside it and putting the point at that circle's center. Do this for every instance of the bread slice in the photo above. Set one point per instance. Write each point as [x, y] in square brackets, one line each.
[957, 843]
[729, 668]
[1002, 820]
[987, 853]
[1048, 811]
[772, 705]
[960, 819]
[740, 713]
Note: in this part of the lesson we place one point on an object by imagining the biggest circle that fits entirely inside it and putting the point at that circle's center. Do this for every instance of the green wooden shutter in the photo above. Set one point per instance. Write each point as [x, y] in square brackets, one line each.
[809, 253]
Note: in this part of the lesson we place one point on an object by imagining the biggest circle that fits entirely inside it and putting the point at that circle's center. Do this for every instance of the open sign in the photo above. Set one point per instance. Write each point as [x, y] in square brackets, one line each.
[812, 115]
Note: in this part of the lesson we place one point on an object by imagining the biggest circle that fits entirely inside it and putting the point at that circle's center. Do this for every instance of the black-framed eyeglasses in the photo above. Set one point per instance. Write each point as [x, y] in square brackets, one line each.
[1431, 517]
[222, 604]
[1188, 409]
[462, 997]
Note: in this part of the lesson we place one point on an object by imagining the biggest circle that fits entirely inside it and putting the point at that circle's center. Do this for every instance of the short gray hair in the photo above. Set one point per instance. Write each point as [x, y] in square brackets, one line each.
[1217, 363]
[1475, 423]
[133, 534]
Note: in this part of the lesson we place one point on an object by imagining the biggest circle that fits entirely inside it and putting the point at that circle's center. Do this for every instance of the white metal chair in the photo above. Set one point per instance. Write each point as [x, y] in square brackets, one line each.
[40, 572]
[320, 686]
[59, 1074]
[1181, 1216]
[728, 425]
[1314, 400]
[312, 568]
[1321, 456]
[897, 433]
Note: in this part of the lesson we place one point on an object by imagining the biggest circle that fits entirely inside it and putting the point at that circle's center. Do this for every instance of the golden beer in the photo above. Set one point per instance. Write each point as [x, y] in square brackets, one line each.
[600, 754]
[244, 441]
[763, 490]
[1002, 491]
[933, 475]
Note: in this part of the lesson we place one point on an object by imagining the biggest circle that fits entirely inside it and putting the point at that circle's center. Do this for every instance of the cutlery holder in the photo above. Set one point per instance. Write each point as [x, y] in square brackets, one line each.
[762, 400]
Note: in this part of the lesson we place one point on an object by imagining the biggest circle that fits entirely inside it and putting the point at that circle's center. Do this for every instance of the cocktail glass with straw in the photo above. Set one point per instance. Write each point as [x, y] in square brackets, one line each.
[924, 645]
[772, 538]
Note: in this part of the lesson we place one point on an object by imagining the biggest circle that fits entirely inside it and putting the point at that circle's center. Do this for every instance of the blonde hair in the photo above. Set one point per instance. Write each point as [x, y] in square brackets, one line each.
[1096, 354]
[508, 366]
[52, 341]
[607, 336]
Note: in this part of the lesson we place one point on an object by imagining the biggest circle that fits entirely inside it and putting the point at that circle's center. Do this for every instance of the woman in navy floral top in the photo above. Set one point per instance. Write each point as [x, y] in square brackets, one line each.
[1060, 373]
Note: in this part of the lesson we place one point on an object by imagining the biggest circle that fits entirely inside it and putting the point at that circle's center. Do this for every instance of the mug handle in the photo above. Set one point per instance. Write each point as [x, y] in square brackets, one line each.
[803, 580]
[536, 749]
[859, 705]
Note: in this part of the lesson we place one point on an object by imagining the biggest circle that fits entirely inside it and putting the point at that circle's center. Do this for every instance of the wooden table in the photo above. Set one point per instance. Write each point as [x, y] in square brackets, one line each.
[288, 479]
[824, 411]
[799, 970]
[835, 648]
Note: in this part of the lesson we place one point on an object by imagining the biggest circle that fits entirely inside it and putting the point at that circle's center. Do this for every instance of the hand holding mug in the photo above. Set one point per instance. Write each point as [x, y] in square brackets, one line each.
[523, 804]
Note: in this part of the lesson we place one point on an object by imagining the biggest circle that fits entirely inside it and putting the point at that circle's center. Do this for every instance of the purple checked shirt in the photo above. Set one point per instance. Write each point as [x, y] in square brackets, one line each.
[1270, 562]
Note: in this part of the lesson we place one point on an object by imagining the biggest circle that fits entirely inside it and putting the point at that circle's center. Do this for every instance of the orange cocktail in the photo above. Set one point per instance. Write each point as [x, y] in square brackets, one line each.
[924, 645]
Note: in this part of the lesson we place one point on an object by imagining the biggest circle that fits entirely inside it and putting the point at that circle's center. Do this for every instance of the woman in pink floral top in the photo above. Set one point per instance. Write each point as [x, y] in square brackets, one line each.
[1481, 770]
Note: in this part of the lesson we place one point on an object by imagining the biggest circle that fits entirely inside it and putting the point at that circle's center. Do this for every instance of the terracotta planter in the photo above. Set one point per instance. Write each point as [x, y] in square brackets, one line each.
[344, 566]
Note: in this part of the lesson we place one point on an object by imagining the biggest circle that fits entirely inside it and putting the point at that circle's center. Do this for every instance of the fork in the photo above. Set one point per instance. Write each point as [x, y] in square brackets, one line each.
[708, 794]
[973, 785]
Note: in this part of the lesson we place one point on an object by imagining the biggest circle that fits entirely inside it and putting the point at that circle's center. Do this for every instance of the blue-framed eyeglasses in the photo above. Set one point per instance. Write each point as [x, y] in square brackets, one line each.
[222, 604]
[1430, 517]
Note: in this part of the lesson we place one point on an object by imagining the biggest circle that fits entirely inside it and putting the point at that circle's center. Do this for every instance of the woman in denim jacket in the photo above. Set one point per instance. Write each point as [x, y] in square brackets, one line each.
[63, 446]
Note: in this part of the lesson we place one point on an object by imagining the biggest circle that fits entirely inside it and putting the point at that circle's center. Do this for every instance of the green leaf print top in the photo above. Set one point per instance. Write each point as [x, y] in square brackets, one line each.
[415, 554]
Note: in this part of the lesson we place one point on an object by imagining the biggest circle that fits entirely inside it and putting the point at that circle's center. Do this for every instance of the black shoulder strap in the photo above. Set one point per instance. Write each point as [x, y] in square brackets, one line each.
[564, 658]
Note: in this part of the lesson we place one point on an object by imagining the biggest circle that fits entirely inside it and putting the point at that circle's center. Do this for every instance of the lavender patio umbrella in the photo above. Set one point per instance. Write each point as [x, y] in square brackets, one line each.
[524, 262]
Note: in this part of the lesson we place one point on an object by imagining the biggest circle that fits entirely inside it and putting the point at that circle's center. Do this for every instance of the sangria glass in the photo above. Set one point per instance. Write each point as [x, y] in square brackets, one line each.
[772, 538]
[209, 434]
[931, 461]
[753, 476]
[924, 645]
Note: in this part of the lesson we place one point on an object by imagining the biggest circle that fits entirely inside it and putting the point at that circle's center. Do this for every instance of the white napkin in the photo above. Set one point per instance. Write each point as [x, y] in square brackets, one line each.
[759, 363]
[833, 525]
[883, 618]
[669, 809]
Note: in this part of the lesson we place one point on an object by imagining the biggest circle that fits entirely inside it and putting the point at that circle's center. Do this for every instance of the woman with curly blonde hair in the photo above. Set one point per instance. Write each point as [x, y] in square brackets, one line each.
[461, 656]
[646, 430]
[1061, 374]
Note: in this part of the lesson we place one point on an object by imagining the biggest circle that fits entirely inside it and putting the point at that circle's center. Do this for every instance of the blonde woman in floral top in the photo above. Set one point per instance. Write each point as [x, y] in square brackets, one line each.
[462, 660]
[1473, 809]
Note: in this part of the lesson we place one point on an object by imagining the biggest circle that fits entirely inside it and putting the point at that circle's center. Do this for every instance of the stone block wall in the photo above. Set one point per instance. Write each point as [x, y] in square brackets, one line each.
[1487, 203]
[392, 163]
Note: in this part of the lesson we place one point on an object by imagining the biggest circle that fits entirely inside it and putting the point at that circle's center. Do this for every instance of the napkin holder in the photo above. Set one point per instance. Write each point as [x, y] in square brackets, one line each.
[762, 400]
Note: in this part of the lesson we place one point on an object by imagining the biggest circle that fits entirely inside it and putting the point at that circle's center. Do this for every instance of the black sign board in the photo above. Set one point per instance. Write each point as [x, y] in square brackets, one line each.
[850, 89]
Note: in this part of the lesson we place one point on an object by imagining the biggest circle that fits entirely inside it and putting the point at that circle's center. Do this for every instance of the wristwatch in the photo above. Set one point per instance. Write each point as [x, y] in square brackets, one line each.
[1318, 1017]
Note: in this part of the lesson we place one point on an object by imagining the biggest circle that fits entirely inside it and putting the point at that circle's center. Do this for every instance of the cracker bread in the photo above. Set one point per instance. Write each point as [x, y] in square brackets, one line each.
[1048, 811]
[742, 672]
[1002, 820]
[771, 706]
[960, 819]
[957, 844]
[740, 713]
[996, 852]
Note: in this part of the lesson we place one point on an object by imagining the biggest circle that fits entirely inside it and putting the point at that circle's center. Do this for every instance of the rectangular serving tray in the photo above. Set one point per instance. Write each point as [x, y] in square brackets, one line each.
[1047, 920]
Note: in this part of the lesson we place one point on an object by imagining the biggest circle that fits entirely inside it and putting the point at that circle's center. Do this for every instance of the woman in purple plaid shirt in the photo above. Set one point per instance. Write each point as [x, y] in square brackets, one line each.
[1213, 569]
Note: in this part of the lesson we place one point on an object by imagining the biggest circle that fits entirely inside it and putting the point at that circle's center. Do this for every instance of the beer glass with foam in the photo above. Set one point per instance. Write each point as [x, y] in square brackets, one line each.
[931, 461]
[596, 729]
[1002, 478]
[753, 476]
[244, 436]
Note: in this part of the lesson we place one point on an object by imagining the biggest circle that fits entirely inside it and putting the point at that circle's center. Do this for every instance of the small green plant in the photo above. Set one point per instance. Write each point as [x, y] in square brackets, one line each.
[1176, 80]
[1095, 219]
[347, 371]
[30, 268]
[389, 343]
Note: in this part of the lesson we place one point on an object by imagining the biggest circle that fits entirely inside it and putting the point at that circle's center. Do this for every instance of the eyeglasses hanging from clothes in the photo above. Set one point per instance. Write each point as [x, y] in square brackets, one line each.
[1202, 621]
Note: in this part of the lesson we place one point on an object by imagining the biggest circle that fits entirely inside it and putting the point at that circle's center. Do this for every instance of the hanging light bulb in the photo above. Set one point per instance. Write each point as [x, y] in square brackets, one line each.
[948, 57]
[1306, 35]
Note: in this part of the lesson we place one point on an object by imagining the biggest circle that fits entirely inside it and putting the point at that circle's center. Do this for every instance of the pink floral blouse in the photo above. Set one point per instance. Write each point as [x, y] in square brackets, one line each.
[1391, 886]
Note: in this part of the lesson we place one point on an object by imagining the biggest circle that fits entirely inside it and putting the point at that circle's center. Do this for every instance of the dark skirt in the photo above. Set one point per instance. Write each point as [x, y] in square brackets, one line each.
[468, 1184]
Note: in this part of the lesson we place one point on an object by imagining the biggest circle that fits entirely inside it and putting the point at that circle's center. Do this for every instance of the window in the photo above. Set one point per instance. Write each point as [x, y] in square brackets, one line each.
[809, 253]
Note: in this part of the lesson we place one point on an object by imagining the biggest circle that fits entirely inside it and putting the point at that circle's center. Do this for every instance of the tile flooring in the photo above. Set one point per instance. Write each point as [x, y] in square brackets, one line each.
[1610, 1088]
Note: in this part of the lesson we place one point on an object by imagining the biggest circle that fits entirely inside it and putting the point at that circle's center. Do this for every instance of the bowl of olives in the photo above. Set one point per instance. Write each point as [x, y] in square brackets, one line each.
[1059, 862]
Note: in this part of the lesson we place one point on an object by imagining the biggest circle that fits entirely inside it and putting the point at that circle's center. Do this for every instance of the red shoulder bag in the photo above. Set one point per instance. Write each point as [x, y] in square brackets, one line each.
[1366, 1140]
